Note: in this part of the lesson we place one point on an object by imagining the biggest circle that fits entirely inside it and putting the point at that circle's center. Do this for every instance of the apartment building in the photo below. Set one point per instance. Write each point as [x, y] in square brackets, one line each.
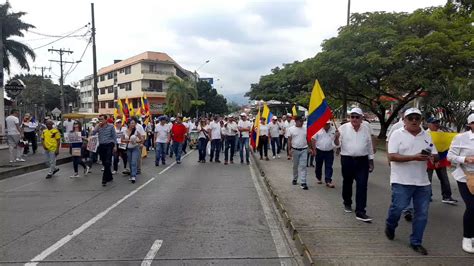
[145, 73]
[86, 94]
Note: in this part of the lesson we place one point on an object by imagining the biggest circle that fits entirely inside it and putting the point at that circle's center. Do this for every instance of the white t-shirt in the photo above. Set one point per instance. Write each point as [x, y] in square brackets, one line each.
[404, 143]
[202, 135]
[215, 130]
[287, 126]
[461, 147]
[68, 125]
[282, 127]
[356, 143]
[140, 130]
[120, 132]
[274, 129]
[298, 137]
[162, 133]
[11, 123]
[325, 140]
[232, 129]
[263, 130]
[245, 124]
[133, 138]
[395, 126]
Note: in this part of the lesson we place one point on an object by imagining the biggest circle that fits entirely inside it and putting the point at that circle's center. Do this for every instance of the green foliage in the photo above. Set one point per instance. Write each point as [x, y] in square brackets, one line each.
[180, 94]
[214, 103]
[380, 56]
[233, 107]
[13, 26]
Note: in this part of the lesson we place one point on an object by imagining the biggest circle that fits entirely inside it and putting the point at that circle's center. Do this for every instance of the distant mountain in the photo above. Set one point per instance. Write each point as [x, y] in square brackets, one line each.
[238, 98]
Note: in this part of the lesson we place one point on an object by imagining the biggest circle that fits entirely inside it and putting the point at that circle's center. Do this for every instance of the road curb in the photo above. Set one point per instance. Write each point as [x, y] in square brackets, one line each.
[300, 245]
[31, 168]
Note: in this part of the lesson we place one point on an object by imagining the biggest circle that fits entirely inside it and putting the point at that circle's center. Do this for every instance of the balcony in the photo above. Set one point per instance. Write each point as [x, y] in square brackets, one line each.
[158, 72]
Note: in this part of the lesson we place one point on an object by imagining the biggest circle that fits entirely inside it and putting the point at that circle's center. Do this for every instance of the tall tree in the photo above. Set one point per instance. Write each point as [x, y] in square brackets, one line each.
[214, 103]
[180, 94]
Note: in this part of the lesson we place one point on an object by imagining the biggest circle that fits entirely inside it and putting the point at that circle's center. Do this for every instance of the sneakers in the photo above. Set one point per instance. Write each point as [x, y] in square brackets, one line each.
[102, 169]
[132, 179]
[273, 157]
[330, 185]
[347, 208]
[74, 175]
[278, 156]
[294, 182]
[420, 249]
[449, 201]
[389, 233]
[178, 162]
[20, 160]
[217, 161]
[467, 245]
[319, 181]
[363, 217]
[48, 176]
[55, 171]
[225, 163]
[87, 170]
[126, 171]
[114, 172]
[304, 186]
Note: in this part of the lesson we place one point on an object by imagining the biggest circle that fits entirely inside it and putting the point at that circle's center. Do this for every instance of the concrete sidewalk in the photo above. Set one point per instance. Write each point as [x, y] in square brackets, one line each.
[33, 162]
[334, 237]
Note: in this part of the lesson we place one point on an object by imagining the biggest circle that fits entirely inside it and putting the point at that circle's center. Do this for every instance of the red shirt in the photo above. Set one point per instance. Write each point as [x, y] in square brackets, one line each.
[177, 132]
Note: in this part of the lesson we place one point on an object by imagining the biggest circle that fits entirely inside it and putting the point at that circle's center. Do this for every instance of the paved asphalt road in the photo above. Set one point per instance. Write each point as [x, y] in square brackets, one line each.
[189, 214]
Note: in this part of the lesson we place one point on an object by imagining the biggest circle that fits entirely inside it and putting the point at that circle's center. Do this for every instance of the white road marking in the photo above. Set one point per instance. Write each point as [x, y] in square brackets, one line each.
[152, 253]
[280, 244]
[22, 186]
[40, 257]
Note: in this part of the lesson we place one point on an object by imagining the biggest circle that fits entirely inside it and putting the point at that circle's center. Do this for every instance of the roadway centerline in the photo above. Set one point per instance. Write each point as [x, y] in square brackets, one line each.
[40, 257]
[152, 253]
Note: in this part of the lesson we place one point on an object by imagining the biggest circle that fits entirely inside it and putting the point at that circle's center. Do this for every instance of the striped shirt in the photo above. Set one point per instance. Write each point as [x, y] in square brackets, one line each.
[106, 134]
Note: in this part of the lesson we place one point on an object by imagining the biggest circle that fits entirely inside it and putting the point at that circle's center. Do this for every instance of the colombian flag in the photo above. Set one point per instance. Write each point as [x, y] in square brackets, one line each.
[266, 113]
[319, 112]
[255, 131]
[442, 142]
[293, 110]
[125, 110]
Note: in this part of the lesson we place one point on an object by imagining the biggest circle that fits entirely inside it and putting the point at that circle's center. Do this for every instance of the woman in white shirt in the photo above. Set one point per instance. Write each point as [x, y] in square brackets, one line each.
[461, 153]
[133, 139]
[263, 139]
[204, 136]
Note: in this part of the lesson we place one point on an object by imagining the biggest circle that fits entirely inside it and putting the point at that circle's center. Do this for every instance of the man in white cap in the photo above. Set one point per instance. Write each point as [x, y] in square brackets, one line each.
[245, 126]
[323, 147]
[288, 123]
[274, 130]
[357, 160]
[409, 149]
[231, 133]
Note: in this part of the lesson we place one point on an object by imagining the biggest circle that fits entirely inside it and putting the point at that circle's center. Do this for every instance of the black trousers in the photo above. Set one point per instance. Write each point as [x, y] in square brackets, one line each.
[120, 154]
[229, 144]
[282, 142]
[215, 149]
[263, 146]
[355, 168]
[31, 137]
[468, 218]
[442, 174]
[105, 152]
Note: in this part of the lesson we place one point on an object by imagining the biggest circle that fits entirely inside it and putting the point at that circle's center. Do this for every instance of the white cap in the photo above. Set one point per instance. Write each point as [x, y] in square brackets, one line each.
[288, 114]
[356, 110]
[172, 119]
[274, 117]
[118, 120]
[243, 114]
[410, 111]
[470, 118]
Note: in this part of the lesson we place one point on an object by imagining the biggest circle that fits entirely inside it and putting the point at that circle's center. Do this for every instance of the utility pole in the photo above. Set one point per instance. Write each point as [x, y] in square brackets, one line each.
[344, 97]
[2, 101]
[94, 64]
[43, 105]
[61, 79]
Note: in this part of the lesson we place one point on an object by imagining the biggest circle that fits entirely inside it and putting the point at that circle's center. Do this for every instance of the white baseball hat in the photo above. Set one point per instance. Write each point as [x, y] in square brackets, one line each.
[356, 110]
[410, 111]
[274, 117]
[243, 114]
[470, 118]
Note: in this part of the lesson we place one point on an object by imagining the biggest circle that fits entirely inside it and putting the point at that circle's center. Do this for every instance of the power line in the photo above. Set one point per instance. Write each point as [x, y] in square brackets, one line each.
[55, 36]
[62, 37]
[80, 59]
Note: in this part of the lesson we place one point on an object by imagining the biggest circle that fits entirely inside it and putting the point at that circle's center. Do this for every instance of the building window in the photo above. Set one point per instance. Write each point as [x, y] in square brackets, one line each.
[180, 73]
[110, 75]
[154, 85]
[110, 104]
[128, 70]
[102, 90]
[152, 67]
[121, 70]
[102, 77]
[127, 86]
[110, 89]
[102, 105]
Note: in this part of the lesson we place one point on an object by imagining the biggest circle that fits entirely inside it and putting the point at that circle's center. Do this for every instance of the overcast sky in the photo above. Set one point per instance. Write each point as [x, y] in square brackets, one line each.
[242, 39]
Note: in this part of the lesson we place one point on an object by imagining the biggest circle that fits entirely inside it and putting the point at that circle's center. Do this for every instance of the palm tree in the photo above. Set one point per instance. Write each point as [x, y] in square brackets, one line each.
[180, 94]
[11, 25]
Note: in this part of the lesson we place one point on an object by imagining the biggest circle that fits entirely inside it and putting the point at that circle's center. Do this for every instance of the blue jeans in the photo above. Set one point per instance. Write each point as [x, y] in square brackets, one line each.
[326, 158]
[244, 143]
[299, 165]
[160, 154]
[229, 144]
[133, 154]
[401, 197]
[215, 148]
[275, 142]
[202, 145]
[177, 149]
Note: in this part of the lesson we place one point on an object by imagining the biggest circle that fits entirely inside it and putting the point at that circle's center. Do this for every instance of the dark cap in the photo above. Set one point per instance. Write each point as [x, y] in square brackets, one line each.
[432, 120]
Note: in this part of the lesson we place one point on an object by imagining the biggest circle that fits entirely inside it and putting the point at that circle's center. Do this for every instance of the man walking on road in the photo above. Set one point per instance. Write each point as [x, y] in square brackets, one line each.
[244, 127]
[298, 149]
[357, 160]
[409, 149]
[14, 134]
[51, 137]
[231, 132]
[107, 141]
[274, 131]
[323, 148]
[215, 139]
[162, 138]
[179, 134]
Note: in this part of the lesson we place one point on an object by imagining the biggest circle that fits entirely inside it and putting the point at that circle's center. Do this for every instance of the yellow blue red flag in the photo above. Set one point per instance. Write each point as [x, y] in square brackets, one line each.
[266, 113]
[442, 142]
[319, 112]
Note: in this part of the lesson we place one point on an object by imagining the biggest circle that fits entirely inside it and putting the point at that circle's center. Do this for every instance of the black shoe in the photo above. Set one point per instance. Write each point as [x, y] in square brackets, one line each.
[304, 186]
[364, 218]
[163, 163]
[390, 233]
[104, 184]
[55, 171]
[242, 162]
[408, 216]
[347, 208]
[420, 249]
[248, 163]
[48, 176]
[217, 161]
[449, 201]
[294, 182]
[178, 162]
[157, 164]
